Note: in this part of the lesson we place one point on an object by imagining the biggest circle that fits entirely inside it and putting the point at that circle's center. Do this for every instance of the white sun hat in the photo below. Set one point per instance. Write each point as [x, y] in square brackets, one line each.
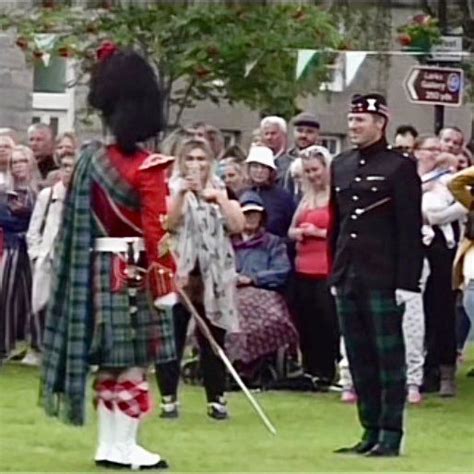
[262, 155]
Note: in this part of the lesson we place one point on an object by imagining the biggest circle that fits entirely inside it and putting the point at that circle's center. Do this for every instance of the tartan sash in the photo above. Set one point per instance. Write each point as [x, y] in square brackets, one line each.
[106, 175]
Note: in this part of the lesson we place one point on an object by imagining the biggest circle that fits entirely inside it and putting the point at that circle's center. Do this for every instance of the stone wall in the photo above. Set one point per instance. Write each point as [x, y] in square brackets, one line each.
[16, 83]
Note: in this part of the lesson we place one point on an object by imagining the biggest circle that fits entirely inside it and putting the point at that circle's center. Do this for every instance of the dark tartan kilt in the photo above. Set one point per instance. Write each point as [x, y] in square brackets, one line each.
[120, 338]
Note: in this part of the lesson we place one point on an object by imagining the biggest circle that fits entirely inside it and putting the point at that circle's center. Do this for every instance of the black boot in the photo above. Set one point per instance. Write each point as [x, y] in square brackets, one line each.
[381, 451]
[361, 447]
[431, 380]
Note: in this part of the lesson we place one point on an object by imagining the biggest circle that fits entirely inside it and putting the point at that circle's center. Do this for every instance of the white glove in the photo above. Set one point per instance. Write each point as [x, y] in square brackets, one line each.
[403, 296]
[166, 301]
[333, 291]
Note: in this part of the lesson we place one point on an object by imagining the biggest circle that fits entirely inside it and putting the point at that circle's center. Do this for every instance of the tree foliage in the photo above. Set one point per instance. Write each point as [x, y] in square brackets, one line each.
[200, 52]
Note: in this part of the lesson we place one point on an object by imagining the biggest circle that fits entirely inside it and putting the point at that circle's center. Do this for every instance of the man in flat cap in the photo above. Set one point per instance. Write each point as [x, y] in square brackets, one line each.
[375, 242]
[306, 133]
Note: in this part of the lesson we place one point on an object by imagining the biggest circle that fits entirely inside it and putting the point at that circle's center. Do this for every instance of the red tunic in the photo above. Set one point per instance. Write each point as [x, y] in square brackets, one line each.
[148, 178]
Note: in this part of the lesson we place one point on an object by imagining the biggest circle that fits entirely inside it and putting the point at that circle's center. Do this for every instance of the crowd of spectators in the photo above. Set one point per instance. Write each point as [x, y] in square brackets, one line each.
[276, 268]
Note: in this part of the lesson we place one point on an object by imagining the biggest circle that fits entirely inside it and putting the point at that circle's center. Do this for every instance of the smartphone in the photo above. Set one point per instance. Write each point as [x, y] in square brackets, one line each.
[195, 174]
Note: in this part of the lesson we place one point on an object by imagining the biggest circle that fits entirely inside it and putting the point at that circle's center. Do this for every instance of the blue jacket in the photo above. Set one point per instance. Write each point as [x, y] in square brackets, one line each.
[14, 226]
[280, 208]
[264, 259]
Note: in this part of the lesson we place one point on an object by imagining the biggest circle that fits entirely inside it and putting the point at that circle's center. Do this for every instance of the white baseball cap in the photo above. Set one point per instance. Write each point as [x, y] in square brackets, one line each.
[262, 155]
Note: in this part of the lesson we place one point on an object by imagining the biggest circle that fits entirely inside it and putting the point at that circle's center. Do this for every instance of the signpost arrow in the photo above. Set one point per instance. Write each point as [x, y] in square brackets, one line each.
[435, 85]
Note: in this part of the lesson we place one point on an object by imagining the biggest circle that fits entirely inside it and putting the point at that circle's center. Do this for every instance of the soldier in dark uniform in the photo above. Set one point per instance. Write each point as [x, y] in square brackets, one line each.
[375, 241]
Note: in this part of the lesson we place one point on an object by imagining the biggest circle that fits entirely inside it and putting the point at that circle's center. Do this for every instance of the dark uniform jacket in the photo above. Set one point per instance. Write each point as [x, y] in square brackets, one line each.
[381, 246]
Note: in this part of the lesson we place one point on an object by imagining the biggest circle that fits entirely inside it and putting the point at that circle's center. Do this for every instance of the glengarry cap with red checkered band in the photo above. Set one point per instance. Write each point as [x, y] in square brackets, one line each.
[369, 104]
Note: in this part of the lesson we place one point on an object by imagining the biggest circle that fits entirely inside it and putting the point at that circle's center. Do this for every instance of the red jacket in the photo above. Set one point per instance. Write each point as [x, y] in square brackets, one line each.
[147, 175]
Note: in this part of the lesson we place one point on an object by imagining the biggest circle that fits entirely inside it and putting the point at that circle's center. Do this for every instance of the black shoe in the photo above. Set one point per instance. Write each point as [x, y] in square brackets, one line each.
[470, 373]
[169, 407]
[217, 410]
[161, 464]
[380, 451]
[431, 382]
[361, 447]
[169, 414]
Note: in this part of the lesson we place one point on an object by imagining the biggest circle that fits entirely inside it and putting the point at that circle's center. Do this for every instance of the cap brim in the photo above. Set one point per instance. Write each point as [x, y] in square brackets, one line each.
[303, 123]
[252, 207]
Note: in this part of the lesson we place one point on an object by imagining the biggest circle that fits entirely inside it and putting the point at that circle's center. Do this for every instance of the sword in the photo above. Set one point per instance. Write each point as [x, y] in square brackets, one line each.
[374, 205]
[220, 352]
[134, 280]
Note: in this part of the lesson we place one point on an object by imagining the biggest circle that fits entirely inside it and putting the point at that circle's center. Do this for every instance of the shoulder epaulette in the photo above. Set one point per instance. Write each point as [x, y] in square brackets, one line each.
[156, 160]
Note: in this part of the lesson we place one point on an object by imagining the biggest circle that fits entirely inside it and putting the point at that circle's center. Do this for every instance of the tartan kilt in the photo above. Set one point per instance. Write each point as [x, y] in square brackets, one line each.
[122, 339]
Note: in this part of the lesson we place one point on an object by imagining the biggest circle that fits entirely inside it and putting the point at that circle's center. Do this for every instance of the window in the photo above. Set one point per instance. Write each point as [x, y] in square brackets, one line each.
[231, 137]
[51, 78]
[332, 143]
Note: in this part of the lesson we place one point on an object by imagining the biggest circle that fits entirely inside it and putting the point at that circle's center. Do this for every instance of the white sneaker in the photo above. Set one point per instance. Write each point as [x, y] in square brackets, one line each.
[218, 409]
[32, 358]
[169, 407]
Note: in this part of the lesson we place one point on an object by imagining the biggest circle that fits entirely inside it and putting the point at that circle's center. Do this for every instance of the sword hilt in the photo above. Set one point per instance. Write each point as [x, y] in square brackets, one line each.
[133, 276]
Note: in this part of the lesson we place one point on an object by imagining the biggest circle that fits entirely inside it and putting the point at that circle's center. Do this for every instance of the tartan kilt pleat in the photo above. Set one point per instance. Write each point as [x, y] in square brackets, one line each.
[122, 339]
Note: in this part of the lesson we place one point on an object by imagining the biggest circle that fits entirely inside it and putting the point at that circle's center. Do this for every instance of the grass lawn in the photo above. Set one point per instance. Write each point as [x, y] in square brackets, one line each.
[440, 434]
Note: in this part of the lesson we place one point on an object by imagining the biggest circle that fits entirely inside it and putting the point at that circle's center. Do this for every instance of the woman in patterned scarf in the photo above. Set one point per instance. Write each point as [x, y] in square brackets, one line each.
[201, 219]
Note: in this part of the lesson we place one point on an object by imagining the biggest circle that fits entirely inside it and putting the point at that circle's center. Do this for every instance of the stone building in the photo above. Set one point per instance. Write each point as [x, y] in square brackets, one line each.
[30, 94]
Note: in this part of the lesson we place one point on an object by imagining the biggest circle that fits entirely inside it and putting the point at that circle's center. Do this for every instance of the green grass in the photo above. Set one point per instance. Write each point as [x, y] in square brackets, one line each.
[440, 434]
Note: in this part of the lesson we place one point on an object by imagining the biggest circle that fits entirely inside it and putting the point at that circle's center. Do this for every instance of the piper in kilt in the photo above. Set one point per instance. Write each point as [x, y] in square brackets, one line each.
[375, 241]
[111, 265]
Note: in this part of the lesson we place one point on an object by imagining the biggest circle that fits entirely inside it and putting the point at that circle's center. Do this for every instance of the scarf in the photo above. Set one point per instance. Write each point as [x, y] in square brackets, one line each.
[203, 240]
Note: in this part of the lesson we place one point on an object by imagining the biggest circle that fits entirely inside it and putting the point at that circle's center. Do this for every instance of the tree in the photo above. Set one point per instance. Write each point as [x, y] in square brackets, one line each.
[200, 52]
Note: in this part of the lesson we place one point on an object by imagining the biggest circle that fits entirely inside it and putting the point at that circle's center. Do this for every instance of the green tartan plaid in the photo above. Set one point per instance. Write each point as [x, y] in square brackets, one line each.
[70, 318]
[121, 339]
[110, 179]
[371, 323]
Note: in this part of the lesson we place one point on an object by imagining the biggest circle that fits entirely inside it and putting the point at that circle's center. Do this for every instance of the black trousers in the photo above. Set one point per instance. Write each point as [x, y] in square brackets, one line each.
[213, 369]
[317, 325]
[439, 302]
